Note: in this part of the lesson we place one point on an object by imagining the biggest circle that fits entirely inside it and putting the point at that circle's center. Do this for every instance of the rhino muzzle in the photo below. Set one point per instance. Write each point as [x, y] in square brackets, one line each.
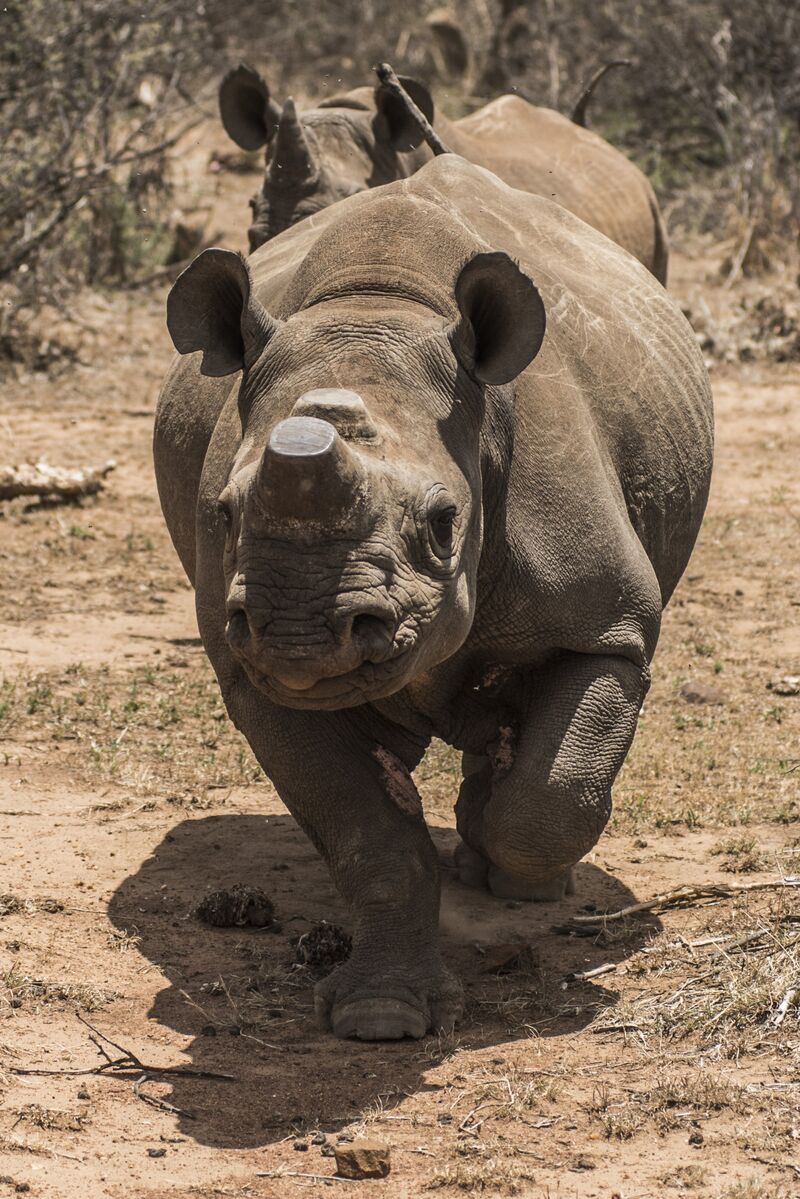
[313, 490]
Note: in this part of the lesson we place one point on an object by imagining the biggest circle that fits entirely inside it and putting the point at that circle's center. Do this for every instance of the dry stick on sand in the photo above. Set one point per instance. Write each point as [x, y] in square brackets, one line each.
[388, 78]
[130, 1064]
[52, 482]
[301, 1174]
[681, 896]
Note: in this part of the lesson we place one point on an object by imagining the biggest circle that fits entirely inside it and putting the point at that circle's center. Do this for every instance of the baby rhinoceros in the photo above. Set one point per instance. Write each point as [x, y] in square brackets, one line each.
[434, 461]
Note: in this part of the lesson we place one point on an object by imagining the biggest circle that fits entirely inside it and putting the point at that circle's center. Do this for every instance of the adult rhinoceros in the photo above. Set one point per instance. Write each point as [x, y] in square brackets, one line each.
[366, 138]
[411, 510]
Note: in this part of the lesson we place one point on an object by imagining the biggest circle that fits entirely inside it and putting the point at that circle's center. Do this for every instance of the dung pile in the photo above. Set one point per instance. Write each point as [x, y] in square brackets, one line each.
[236, 907]
[322, 947]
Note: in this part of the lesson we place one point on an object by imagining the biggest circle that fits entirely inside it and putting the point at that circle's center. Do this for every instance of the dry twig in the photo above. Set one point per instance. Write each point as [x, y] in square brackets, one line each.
[129, 1063]
[683, 896]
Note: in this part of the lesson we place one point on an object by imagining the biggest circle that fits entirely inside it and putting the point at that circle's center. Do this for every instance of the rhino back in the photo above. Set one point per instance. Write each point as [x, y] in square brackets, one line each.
[540, 151]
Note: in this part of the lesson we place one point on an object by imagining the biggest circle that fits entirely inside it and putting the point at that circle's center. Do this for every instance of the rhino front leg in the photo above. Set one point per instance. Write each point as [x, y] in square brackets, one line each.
[526, 821]
[351, 791]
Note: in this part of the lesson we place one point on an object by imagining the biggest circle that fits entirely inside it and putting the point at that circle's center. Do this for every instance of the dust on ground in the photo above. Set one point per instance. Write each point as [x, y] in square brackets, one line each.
[126, 797]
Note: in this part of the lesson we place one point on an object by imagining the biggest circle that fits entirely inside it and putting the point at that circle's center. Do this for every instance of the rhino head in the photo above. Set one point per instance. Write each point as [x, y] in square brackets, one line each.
[347, 518]
[313, 159]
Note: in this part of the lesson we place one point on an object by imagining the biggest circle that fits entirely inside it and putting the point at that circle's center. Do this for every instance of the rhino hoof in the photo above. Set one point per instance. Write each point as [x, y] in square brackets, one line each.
[472, 866]
[377, 1020]
[512, 886]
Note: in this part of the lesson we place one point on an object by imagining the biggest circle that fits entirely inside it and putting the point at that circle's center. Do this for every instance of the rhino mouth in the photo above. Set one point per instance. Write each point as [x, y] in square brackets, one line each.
[368, 681]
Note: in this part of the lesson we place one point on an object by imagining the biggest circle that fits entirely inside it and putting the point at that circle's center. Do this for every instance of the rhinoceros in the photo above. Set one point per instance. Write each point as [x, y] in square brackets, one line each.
[434, 461]
[366, 138]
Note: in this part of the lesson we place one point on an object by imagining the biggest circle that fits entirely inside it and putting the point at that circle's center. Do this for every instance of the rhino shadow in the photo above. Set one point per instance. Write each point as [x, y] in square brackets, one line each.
[260, 1026]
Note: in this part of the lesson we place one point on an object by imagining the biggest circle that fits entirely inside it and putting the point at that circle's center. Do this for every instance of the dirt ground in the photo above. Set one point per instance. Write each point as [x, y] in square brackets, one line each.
[125, 796]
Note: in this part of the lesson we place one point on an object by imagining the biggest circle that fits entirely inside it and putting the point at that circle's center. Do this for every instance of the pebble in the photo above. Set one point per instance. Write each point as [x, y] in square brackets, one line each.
[702, 693]
[300, 1147]
[362, 1159]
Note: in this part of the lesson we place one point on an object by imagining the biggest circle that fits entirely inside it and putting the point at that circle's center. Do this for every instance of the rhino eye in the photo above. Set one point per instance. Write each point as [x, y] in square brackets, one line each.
[440, 528]
[225, 509]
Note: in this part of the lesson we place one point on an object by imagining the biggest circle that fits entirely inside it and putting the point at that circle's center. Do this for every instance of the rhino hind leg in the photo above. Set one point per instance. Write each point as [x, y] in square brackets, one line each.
[526, 827]
[474, 870]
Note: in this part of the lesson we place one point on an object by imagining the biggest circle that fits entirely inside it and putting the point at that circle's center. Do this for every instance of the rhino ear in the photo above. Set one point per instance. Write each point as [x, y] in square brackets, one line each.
[502, 321]
[211, 308]
[394, 121]
[248, 113]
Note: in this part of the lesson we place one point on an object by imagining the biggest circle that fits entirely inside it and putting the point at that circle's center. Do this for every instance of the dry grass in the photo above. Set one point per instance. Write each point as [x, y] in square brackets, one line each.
[19, 990]
[741, 855]
[43, 1117]
[676, 1101]
[514, 1092]
[158, 729]
[14, 905]
[481, 1168]
[733, 979]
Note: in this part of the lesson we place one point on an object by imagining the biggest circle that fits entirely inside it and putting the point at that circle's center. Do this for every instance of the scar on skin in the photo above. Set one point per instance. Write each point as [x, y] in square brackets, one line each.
[503, 750]
[398, 782]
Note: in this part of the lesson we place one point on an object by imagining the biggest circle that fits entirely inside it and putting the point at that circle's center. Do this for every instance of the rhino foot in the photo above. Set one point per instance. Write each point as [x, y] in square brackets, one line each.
[474, 870]
[367, 1009]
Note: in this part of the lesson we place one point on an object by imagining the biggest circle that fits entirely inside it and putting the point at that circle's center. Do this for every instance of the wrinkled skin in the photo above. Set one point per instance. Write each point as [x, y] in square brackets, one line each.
[364, 139]
[434, 461]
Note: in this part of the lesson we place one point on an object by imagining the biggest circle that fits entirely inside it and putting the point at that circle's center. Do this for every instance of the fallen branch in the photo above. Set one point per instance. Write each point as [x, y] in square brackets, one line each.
[52, 482]
[302, 1174]
[129, 1063]
[388, 78]
[153, 1100]
[683, 896]
[579, 976]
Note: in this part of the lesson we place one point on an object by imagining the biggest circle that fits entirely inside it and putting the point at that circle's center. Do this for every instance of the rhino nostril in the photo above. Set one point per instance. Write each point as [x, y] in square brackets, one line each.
[373, 633]
[238, 629]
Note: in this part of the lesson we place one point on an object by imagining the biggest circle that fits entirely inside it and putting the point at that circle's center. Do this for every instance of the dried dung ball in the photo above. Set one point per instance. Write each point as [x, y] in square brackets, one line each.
[236, 907]
[323, 947]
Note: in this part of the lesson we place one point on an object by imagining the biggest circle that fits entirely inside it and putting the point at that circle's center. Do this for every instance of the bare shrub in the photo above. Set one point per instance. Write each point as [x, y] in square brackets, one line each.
[91, 92]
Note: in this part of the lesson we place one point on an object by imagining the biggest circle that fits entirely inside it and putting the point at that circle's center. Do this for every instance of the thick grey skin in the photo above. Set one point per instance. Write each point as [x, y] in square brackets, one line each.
[531, 148]
[580, 489]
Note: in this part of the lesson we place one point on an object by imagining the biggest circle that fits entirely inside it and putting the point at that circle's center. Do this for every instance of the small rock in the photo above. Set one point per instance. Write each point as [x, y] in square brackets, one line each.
[362, 1159]
[208, 1030]
[444, 1118]
[157, 1152]
[344, 1138]
[300, 1147]
[328, 1150]
[583, 1163]
[702, 693]
[83, 1093]
[22, 1188]
[696, 1138]
[319, 1138]
[789, 684]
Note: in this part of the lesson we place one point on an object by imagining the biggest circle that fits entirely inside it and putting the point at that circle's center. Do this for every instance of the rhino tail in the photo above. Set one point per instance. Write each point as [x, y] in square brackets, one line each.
[578, 116]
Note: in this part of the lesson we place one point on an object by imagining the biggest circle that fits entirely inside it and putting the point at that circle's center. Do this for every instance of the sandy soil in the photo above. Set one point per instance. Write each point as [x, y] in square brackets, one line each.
[125, 796]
